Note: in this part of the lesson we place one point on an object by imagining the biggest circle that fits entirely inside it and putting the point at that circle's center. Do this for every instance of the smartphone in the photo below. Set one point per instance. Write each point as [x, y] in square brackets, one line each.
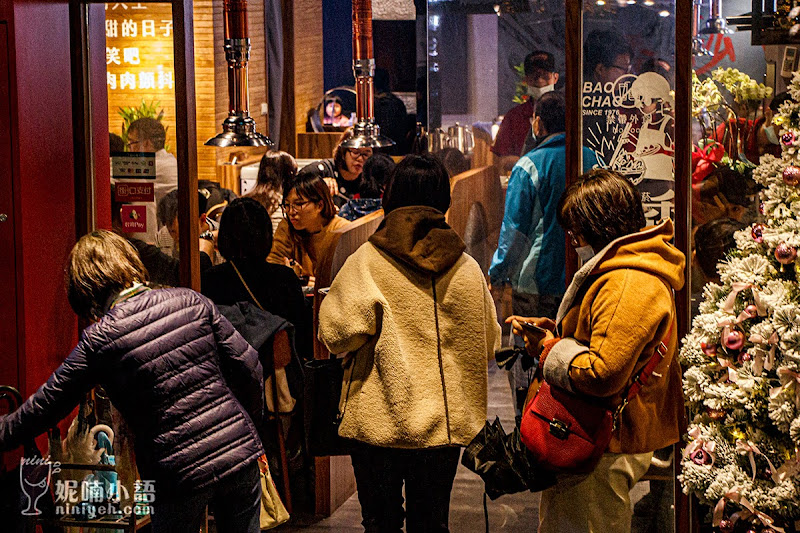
[530, 326]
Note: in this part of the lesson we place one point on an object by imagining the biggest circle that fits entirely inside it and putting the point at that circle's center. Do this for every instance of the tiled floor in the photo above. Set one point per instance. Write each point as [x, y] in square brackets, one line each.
[516, 512]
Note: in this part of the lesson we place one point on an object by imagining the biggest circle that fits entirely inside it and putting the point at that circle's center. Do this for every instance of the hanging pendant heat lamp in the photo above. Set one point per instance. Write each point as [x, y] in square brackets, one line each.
[698, 48]
[239, 129]
[366, 133]
[716, 23]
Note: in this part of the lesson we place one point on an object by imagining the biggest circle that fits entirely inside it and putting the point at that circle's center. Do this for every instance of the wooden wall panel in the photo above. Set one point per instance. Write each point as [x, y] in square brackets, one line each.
[303, 79]
[44, 186]
[205, 88]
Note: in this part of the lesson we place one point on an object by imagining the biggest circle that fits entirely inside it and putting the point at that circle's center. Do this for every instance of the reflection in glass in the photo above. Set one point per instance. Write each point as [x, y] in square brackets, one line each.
[628, 97]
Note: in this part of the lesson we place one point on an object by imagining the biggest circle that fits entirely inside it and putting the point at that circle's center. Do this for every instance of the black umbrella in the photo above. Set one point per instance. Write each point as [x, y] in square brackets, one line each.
[504, 463]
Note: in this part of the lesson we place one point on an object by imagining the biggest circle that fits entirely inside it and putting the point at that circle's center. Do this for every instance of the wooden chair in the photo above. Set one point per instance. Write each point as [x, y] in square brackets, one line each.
[314, 145]
[476, 211]
[482, 154]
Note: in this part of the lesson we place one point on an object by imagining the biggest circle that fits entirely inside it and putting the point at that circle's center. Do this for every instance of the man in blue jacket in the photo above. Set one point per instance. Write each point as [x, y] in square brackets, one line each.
[531, 252]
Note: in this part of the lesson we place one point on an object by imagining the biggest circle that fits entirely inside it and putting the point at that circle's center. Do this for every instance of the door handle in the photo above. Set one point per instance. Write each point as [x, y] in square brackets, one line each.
[3, 217]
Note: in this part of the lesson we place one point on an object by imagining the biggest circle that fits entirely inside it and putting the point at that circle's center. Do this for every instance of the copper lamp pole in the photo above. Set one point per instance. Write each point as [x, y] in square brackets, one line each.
[239, 129]
[715, 23]
[366, 133]
[698, 49]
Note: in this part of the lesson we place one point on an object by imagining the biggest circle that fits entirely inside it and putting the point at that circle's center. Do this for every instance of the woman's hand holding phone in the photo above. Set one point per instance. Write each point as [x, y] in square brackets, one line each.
[535, 330]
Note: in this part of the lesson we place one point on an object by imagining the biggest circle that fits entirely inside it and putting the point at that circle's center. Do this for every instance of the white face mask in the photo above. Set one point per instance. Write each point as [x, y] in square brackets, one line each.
[537, 92]
[585, 253]
[772, 137]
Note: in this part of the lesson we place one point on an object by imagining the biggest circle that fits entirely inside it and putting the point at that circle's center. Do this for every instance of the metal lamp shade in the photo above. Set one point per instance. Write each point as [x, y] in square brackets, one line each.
[238, 130]
[715, 23]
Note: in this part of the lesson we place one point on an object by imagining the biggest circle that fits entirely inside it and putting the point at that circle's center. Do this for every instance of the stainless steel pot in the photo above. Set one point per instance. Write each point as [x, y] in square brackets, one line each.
[438, 140]
[461, 138]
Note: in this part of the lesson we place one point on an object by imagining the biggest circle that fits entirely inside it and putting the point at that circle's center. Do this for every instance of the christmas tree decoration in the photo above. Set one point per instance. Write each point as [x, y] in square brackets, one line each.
[741, 359]
[709, 349]
[785, 254]
[734, 340]
[726, 526]
[758, 231]
[791, 175]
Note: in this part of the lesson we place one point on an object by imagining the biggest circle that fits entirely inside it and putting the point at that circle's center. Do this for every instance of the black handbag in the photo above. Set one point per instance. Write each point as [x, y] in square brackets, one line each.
[323, 388]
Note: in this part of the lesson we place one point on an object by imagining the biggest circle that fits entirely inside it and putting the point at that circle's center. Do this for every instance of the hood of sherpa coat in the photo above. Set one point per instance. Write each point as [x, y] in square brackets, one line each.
[418, 236]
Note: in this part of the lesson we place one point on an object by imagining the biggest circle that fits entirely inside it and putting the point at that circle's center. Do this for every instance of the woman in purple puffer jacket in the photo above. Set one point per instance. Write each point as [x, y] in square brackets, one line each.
[186, 382]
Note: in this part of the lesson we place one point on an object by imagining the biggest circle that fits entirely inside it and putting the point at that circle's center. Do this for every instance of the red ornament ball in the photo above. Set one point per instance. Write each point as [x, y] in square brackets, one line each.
[785, 254]
[791, 175]
[744, 357]
[734, 340]
[751, 310]
[726, 526]
[709, 349]
[758, 233]
[787, 138]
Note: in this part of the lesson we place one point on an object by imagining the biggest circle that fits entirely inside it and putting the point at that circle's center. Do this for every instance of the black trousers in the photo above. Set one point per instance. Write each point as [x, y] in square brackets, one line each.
[235, 501]
[428, 475]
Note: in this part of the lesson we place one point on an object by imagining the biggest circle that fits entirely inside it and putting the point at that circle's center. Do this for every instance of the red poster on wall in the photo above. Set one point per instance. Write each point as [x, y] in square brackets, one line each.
[134, 218]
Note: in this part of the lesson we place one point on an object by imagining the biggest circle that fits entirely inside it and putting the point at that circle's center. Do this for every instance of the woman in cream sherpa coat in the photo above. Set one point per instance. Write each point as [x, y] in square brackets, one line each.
[414, 312]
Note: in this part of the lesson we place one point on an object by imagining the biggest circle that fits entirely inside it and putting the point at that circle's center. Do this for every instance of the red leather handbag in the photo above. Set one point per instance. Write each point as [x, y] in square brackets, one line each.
[566, 432]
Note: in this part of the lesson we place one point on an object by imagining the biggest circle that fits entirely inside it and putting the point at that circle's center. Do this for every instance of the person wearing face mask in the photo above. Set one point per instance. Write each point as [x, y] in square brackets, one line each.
[530, 252]
[618, 308]
[768, 133]
[540, 78]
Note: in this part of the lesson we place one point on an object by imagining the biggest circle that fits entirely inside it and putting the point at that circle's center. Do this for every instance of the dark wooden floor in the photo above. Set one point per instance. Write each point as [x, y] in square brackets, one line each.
[516, 512]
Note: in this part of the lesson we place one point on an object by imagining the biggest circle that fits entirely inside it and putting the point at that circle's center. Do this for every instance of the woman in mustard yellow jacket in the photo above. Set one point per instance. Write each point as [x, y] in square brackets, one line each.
[617, 309]
[305, 236]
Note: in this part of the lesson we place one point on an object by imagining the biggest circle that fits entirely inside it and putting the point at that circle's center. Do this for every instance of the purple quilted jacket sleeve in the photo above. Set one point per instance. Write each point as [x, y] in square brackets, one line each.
[52, 402]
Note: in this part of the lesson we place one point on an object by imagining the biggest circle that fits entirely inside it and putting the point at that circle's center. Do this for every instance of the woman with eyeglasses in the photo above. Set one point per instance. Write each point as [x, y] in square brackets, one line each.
[343, 173]
[275, 169]
[304, 236]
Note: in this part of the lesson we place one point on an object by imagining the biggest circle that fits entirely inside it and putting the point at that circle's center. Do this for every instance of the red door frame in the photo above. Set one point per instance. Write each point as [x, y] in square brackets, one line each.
[9, 345]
